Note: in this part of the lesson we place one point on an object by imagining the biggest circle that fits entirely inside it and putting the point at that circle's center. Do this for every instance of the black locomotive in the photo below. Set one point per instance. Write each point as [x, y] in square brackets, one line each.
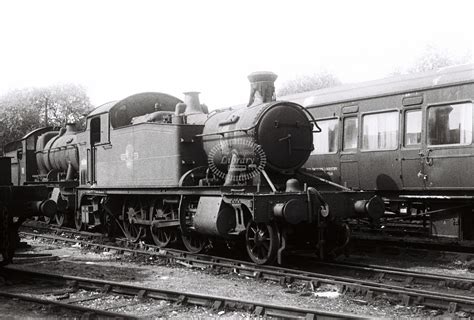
[18, 203]
[156, 166]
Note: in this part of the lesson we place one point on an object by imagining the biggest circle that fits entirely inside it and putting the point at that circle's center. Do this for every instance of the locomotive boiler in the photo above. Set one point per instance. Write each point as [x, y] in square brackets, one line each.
[151, 164]
[56, 154]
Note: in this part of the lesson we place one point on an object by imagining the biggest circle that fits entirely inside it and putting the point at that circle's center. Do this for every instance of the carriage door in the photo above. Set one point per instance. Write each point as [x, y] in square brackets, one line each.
[95, 132]
[379, 168]
[411, 153]
[448, 156]
[349, 156]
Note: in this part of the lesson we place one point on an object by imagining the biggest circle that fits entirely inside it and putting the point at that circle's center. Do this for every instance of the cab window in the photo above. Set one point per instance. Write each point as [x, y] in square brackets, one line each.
[380, 131]
[99, 129]
[326, 140]
[412, 128]
[450, 124]
[95, 130]
[349, 141]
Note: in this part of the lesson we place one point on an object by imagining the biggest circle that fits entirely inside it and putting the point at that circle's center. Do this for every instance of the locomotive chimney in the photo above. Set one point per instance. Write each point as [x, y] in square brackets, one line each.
[191, 99]
[262, 87]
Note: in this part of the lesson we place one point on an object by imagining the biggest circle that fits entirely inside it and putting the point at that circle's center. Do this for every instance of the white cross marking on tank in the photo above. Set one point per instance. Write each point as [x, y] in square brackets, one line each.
[129, 156]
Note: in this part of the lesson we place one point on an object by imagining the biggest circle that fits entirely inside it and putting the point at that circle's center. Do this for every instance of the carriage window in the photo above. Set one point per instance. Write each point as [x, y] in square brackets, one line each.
[450, 124]
[349, 141]
[380, 131]
[326, 140]
[412, 128]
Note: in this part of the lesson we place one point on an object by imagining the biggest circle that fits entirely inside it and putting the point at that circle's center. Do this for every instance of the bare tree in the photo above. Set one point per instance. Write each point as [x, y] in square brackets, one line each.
[23, 110]
[311, 82]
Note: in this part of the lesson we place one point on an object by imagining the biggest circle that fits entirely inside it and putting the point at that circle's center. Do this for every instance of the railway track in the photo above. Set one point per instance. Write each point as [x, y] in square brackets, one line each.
[363, 241]
[396, 285]
[400, 242]
[74, 292]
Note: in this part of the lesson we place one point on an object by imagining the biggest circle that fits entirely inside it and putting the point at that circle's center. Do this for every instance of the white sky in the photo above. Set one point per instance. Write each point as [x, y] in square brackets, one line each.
[118, 48]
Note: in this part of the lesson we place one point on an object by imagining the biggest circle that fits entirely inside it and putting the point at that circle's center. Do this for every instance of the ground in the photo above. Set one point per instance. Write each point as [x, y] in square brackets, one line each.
[152, 272]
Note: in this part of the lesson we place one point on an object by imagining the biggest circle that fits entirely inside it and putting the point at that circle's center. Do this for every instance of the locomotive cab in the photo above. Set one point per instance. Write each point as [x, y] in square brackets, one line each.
[128, 140]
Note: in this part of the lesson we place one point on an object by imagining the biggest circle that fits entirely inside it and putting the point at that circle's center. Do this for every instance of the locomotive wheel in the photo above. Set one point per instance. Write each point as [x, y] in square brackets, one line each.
[7, 237]
[194, 242]
[262, 242]
[59, 218]
[108, 224]
[131, 211]
[163, 237]
[78, 221]
[160, 211]
[47, 220]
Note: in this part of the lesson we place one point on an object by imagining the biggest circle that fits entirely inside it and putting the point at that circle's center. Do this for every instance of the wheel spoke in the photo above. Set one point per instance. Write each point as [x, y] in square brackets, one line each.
[262, 242]
[131, 211]
[193, 242]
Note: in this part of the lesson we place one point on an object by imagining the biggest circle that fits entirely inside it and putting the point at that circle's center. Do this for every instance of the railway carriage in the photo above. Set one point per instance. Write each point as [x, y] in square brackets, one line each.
[409, 138]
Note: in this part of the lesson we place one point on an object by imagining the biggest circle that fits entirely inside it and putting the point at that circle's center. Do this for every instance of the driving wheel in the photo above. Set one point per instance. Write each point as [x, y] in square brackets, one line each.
[163, 237]
[161, 211]
[80, 225]
[194, 242]
[132, 211]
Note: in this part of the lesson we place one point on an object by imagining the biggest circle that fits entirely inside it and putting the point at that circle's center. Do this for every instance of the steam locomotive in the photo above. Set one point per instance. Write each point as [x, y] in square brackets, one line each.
[153, 165]
[409, 139]
[16, 204]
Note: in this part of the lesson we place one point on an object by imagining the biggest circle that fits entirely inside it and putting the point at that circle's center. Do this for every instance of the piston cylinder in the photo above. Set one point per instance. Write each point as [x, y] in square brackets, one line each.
[213, 217]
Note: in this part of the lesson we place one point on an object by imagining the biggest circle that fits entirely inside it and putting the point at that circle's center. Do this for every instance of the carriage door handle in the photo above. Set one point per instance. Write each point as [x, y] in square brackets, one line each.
[428, 160]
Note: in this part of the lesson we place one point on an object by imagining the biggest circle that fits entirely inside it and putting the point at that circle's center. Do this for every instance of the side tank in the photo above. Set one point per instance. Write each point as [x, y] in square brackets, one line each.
[60, 151]
[282, 129]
